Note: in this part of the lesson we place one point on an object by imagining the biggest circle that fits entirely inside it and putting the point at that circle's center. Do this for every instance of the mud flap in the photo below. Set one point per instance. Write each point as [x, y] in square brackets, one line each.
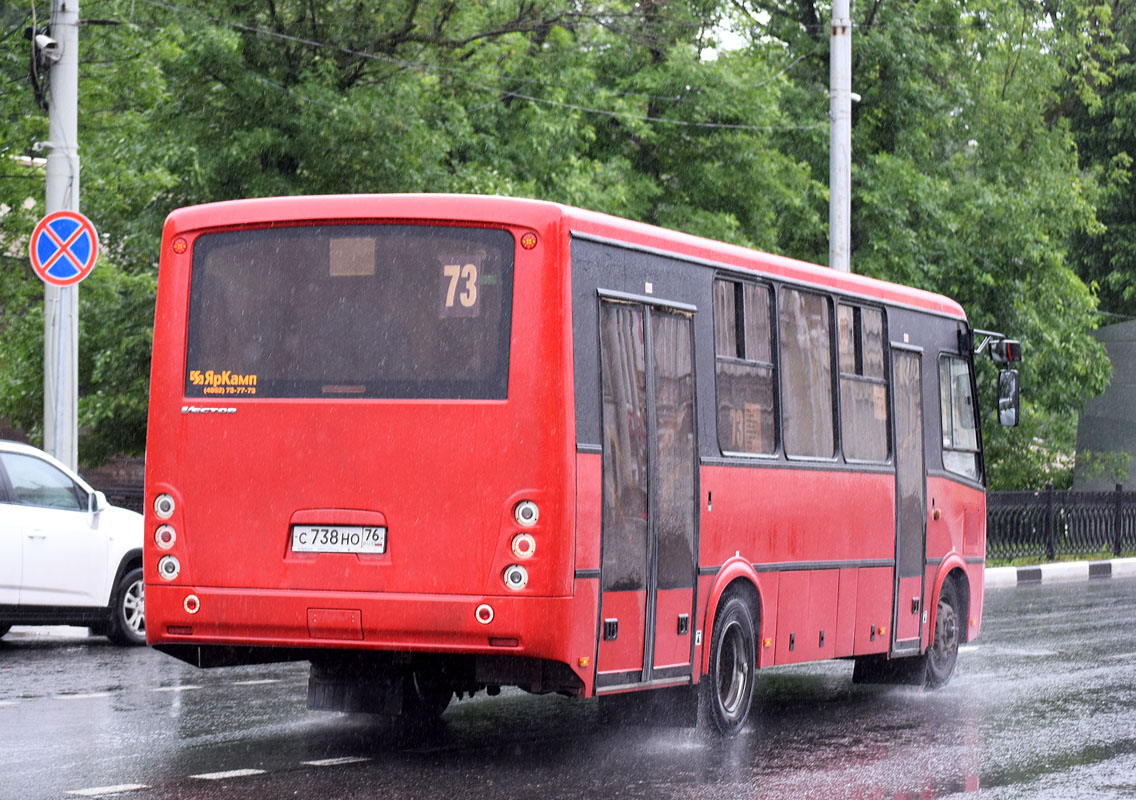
[910, 671]
[672, 707]
[328, 691]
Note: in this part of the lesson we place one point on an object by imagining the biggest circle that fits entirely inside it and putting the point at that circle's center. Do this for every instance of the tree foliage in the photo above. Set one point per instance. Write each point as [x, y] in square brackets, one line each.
[980, 161]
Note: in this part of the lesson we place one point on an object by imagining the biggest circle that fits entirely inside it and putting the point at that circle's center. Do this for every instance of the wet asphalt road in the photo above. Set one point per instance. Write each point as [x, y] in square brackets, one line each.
[1043, 706]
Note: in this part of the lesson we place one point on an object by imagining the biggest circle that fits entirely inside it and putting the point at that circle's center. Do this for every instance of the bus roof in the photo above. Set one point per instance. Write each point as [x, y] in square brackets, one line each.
[540, 214]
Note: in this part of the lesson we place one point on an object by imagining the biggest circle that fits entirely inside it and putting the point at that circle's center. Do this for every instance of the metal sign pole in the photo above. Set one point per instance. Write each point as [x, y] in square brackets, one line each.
[61, 303]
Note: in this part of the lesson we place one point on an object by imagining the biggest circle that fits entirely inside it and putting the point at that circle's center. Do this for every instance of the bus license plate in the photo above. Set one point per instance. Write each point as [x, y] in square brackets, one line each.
[339, 539]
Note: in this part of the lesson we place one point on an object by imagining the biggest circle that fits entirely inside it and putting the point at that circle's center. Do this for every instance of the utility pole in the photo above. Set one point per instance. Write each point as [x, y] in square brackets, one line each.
[61, 304]
[840, 139]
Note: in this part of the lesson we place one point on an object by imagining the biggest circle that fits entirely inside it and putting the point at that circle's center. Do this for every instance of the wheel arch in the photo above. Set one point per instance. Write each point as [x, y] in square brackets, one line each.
[131, 559]
[737, 576]
[953, 570]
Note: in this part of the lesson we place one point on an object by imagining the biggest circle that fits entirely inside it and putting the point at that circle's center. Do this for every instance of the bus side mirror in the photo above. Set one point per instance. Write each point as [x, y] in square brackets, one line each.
[1006, 351]
[1009, 397]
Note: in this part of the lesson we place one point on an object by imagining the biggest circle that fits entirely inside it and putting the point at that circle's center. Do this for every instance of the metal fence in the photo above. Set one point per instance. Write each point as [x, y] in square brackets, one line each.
[1050, 523]
[126, 496]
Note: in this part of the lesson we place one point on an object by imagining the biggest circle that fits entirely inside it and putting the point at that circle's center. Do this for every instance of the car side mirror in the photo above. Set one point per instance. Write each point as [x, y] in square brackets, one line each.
[1009, 398]
[97, 501]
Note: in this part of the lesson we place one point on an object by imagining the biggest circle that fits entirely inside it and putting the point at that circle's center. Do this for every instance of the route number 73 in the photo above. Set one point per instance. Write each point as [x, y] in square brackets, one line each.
[459, 282]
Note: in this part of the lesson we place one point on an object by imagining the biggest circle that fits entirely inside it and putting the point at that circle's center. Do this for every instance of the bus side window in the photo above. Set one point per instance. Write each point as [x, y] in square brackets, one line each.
[863, 385]
[805, 320]
[743, 346]
[956, 401]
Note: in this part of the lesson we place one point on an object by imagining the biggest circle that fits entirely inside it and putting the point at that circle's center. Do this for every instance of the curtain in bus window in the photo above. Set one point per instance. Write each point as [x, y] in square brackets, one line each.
[674, 410]
[863, 410]
[624, 381]
[863, 389]
[758, 328]
[725, 320]
[744, 369]
[960, 434]
[806, 374]
[399, 311]
[872, 336]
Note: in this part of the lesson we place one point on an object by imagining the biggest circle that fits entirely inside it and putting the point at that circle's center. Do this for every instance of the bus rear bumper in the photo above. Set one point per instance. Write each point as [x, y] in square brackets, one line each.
[296, 622]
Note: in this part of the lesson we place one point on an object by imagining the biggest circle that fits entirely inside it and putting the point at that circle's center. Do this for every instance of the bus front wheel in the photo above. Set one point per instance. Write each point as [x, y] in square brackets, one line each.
[942, 655]
[733, 660]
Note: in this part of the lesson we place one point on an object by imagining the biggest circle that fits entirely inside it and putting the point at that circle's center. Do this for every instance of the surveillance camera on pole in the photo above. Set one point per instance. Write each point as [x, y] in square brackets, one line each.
[47, 49]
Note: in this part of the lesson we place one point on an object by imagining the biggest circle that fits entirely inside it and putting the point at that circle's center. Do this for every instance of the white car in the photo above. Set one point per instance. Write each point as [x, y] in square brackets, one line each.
[67, 557]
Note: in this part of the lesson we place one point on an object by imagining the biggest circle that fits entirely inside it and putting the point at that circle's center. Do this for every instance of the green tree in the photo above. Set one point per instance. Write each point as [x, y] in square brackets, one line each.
[966, 175]
[966, 182]
[122, 170]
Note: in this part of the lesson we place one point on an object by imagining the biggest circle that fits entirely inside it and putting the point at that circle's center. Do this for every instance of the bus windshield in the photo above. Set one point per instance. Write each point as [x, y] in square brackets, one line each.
[351, 311]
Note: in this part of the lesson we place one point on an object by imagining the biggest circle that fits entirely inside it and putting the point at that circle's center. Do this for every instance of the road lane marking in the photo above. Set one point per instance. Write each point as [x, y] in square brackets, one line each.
[256, 683]
[100, 791]
[89, 696]
[335, 762]
[186, 688]
[233, 773]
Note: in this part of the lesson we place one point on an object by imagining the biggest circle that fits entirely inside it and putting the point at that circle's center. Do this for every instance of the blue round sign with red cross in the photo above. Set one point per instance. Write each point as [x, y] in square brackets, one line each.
[64, 247]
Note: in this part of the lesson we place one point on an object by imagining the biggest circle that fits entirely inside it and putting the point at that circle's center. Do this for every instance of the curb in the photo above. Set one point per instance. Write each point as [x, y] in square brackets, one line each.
[1063, 571]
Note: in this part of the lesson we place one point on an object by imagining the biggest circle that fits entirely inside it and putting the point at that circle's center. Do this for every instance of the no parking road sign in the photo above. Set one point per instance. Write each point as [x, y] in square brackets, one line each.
[64, 248]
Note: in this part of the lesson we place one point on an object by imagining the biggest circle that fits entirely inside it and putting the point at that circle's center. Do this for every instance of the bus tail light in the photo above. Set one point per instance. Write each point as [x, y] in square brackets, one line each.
[169, 567]
[524, 545]
[516, 577]
[483, 613]
[192, 604]
[165, 537]
[526, 513]
[164, 506]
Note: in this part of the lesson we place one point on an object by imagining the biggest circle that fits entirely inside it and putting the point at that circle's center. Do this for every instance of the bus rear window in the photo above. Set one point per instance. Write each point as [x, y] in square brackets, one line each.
[351, 311]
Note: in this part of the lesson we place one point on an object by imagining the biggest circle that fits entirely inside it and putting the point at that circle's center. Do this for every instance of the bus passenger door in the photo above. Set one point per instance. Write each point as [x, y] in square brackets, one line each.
[911, 502]
[649, 496]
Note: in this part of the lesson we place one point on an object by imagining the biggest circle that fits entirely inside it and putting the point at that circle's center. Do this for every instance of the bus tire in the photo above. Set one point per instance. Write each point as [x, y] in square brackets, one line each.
[942, 655]
[424, 697]
[4, 629]
[733, 661]
[128, 606]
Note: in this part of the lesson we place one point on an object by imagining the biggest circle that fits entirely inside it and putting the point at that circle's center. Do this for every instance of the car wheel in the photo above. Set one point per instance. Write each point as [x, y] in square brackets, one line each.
[733, 661]
[128, 620]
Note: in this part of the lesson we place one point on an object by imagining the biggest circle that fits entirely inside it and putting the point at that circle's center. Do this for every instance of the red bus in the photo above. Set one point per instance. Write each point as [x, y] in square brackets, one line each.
[436, 444]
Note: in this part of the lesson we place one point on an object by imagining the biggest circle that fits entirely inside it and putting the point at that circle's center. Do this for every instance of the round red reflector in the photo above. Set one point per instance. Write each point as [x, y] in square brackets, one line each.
[165, 537]
[180, 245]
[528, 241]
[484, 613]
[524, 545]
[192, 604]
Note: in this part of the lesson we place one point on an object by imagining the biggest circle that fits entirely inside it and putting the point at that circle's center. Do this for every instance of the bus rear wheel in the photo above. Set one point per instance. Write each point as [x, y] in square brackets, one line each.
[425, 696]
[733, 661]
[942, 655]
